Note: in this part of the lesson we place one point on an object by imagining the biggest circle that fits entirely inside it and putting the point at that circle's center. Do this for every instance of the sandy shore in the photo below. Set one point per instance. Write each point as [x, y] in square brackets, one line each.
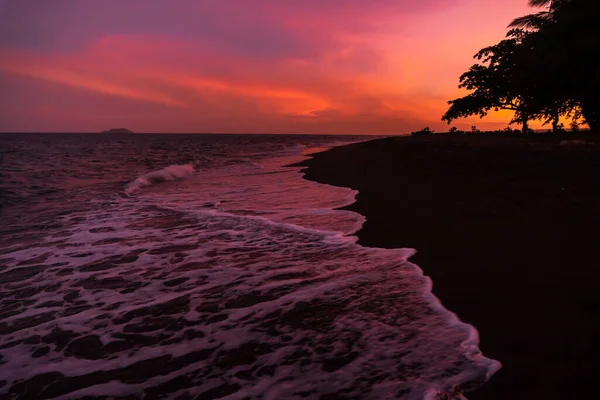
[508, 228]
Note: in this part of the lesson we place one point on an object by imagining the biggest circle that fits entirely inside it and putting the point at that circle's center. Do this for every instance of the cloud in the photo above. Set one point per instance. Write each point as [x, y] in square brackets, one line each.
[384, 66]
[258, 28]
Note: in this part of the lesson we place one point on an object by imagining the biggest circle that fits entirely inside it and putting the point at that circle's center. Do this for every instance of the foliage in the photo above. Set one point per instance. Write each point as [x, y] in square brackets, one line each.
[496, 82]
[544, 69]
[455, 131]
[574, 126]
[424, 131]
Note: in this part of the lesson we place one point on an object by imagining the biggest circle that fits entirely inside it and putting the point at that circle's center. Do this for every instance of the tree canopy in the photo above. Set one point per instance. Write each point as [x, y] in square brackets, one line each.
[544, 69]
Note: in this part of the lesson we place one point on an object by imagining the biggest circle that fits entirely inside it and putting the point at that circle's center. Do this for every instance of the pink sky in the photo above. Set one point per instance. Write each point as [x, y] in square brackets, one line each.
[272, 66]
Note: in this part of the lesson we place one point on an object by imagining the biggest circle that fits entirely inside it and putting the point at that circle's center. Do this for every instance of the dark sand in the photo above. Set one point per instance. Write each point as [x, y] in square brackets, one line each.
[508, 228]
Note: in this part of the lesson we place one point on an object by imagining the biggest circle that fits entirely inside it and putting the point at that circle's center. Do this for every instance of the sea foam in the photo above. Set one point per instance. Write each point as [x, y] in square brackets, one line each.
[169, 173]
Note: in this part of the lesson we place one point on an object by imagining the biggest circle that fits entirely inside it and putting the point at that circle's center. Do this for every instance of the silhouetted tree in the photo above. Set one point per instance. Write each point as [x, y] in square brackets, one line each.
[566, 40]
[538, 20]
[544, 69]
[577, 35]
[424, 131]
[498, 82]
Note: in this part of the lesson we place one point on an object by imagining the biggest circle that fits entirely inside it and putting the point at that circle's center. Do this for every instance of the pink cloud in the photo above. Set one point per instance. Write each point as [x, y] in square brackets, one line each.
[384, 66]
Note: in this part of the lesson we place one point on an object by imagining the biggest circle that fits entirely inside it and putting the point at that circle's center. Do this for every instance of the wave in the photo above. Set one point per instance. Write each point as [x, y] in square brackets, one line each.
[323, 315]
[170, 173]
[263, 265]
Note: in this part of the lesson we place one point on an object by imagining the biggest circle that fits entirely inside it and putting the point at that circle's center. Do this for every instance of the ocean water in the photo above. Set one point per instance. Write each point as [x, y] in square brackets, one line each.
[201, 267]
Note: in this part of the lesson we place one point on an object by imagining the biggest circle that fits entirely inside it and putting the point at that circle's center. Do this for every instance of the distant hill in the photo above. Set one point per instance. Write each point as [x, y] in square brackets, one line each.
[118, 130]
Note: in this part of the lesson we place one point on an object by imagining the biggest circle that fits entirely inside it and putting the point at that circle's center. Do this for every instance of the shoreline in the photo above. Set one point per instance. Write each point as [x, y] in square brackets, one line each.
[505, 226]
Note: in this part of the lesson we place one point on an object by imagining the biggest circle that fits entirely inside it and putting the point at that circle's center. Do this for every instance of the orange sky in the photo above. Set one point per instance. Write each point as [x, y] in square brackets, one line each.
[252, 66]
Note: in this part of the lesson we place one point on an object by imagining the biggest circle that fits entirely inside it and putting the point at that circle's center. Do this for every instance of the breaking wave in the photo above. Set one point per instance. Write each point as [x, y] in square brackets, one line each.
[170, 173]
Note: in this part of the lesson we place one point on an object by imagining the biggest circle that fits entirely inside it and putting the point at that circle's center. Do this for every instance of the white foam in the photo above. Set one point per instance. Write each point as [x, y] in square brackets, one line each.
[169, 173]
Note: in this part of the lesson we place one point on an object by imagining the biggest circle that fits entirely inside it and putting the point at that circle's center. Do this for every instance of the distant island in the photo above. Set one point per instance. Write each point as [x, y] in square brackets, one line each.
[118, 130]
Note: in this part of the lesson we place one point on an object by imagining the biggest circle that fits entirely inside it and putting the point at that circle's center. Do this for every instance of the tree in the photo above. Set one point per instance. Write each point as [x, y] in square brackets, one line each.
[424, 131]
[540, 19]
[497, 82]
[545, 68]
[520, 74]
[566, 37]
[577, 35]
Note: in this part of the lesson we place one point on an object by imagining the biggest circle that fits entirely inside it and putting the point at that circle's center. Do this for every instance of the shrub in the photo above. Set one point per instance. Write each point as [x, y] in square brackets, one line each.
[455, 131]
[574, 126]
[424, 131]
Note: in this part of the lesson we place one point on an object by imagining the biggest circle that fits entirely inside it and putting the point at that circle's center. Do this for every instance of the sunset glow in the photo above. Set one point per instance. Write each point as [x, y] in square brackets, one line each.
[377, 67]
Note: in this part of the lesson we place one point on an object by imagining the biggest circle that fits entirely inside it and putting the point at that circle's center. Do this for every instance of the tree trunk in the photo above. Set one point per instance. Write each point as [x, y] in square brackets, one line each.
[525, 121]
[591, 112]
[555, 117]
[589, 100]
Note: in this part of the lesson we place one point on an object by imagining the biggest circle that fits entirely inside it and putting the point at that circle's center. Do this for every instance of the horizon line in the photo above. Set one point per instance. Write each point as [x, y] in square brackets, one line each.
[197, 133]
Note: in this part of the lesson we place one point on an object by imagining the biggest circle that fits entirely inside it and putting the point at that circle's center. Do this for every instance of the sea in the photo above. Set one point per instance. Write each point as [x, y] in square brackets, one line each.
[206, 267]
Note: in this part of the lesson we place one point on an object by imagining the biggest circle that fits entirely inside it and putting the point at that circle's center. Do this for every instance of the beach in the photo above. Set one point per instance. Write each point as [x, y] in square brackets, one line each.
[507, 228]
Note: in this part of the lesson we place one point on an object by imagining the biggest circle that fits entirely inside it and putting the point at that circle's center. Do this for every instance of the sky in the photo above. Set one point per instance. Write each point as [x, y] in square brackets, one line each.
[242, 66]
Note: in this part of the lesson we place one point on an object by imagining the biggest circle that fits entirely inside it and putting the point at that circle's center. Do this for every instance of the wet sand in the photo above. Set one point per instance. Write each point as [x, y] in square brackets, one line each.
[508, 228]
